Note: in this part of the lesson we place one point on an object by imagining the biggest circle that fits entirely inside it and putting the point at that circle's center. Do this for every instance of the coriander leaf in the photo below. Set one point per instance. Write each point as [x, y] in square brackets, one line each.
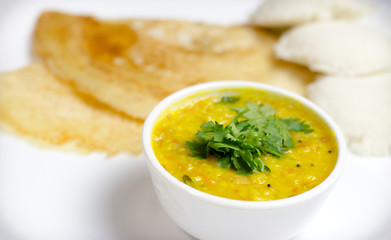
[233, 127]
[248, 159]
[241, 113]
[286, 137]
[267, 111]
[211, 126]
[222, 146]
[199, 150]
[224, 162]
[294, 124]
[252, 111]
[240, 166]
[203, 137]
[187, 180]
[229, 99]
[252, 138]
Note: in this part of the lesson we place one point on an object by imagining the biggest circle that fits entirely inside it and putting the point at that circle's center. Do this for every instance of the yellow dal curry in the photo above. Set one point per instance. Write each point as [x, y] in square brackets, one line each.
[305, 166]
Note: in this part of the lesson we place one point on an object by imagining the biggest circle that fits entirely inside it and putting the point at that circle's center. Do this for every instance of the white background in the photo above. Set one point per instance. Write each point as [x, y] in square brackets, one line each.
[52, 195]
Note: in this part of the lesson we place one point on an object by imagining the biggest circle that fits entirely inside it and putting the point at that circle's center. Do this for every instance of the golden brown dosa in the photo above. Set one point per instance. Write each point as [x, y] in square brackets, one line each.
[132, 64]
[37, 105]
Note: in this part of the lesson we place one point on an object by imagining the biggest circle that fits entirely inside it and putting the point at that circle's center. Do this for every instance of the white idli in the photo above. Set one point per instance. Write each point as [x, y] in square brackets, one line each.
[361, 107]
[286, 13]
[336, 48]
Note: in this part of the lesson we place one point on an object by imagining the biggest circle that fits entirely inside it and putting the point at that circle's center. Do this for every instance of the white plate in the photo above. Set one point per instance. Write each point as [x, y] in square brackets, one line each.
[52, 195]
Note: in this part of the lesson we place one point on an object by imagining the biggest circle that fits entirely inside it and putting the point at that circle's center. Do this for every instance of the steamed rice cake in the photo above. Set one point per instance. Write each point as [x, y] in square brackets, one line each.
[286, 13]
[361, 107]
[336, 48]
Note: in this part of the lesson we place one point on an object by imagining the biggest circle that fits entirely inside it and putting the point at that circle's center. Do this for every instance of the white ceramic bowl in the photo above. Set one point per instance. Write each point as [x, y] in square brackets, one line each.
[206, 216]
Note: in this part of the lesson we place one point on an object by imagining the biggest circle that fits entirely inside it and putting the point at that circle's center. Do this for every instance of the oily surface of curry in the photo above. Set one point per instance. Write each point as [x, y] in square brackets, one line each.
[305, 166]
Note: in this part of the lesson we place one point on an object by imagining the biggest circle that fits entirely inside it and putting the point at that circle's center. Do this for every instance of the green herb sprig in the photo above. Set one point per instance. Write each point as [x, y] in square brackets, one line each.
[241, 144]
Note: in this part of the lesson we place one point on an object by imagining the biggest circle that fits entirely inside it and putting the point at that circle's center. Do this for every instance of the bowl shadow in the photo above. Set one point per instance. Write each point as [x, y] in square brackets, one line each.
[134, 212]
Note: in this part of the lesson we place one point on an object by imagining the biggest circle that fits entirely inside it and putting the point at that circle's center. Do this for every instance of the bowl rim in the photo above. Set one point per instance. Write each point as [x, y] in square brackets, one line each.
[233, 203]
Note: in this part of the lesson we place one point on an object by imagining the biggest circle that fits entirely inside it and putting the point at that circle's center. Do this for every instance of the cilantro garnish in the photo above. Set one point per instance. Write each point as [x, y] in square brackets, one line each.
[186, 179]
[241, 144]
[229, 99]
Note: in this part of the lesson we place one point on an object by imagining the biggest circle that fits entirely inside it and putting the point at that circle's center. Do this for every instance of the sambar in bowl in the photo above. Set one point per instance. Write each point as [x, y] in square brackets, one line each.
[241, 160]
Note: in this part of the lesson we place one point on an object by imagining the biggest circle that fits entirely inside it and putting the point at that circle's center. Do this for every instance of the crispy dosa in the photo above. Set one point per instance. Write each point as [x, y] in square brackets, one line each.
[132, 64]
[37, 105]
